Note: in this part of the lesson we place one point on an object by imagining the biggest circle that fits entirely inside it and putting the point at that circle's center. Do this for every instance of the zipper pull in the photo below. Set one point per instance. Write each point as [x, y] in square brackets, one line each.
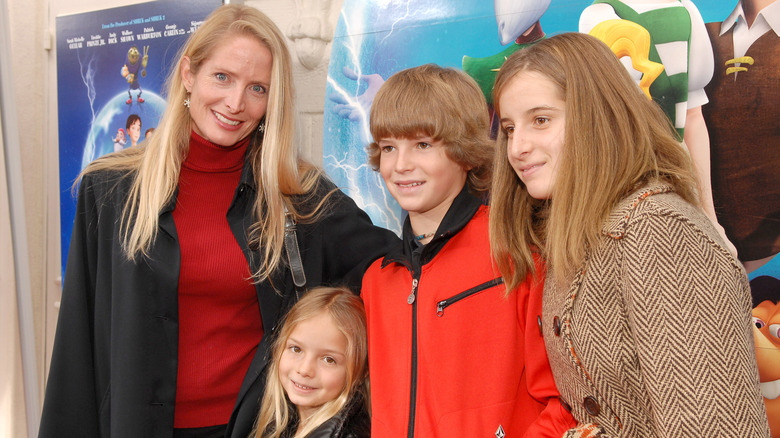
[440, 308]
[410, 298]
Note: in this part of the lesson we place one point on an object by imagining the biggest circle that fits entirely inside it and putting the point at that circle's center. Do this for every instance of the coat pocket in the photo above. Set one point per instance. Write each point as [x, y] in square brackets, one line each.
[443, 304]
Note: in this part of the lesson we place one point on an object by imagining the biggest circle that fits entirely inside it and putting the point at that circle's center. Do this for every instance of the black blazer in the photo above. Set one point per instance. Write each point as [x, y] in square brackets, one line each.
[114, 364]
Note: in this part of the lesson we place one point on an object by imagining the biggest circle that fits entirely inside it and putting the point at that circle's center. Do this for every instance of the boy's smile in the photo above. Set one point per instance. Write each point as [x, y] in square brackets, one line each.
[421, 177]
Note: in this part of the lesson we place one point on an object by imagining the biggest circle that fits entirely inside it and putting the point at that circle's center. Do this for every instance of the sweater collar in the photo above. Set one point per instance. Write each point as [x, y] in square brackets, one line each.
[205, 156]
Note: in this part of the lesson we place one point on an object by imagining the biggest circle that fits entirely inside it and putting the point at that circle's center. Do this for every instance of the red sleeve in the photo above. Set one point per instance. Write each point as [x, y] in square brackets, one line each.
[554, 420]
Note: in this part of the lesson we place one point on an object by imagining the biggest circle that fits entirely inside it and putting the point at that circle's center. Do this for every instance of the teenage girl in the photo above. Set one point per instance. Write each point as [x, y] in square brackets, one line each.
[645, 313]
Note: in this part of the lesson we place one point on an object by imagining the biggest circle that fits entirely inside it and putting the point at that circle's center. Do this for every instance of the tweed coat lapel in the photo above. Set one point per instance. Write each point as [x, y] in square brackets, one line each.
[593, 351]
[638, 340]
[615, 226]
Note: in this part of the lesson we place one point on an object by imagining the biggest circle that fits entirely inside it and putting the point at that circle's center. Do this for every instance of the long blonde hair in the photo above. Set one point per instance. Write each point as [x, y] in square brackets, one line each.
[349, 316]
[279, 172]
[616, 140]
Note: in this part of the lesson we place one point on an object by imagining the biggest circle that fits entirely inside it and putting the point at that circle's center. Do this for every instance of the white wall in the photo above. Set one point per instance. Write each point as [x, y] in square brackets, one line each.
[25, 30]
[12, 412]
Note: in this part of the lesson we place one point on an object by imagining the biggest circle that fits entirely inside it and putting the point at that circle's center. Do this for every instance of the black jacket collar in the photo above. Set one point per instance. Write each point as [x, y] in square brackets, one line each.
[463, 208]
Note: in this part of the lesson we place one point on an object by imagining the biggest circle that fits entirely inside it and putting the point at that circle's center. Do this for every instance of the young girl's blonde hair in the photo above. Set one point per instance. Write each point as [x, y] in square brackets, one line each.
[349, 316]
[616, 140]
[279, 172]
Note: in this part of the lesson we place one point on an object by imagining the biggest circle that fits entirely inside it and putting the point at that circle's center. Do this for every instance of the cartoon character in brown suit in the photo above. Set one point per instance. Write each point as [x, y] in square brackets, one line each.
[743, 119]
[744, 124]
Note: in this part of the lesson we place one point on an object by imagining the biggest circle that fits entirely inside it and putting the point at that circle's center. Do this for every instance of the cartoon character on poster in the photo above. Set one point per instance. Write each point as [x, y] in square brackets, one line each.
[133, 128]
[120, 140]
[679, 43]
[130, 71]
[766, 316]
[744, 124]
[117, 112]
[518, 27]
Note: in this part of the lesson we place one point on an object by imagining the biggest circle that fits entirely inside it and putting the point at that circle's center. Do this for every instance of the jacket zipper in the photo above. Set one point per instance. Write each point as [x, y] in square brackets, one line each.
[411, 299]
[443, 304]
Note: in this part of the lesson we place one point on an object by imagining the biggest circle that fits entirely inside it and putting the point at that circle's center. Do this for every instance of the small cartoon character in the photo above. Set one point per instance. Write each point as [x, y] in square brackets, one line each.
[766, 317]
[148, 134]
[120, 140]
[130, 71]
[518, 27]
[133, 127]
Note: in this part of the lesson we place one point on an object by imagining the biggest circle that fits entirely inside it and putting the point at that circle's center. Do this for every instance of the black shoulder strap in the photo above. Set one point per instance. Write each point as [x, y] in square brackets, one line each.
[294, 254]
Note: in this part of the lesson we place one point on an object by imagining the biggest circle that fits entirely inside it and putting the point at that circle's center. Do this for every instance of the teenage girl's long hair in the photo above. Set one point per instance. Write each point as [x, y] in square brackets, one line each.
[616, 140]
[349, 316]
[279, 172]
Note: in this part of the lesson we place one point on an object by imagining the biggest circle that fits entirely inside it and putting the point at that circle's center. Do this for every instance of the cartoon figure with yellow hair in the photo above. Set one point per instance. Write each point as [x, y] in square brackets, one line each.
[744, 123]
[678, 42]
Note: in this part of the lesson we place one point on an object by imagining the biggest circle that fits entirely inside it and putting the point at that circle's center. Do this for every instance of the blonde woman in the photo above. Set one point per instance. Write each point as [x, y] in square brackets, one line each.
[177, 273]
[645, 313]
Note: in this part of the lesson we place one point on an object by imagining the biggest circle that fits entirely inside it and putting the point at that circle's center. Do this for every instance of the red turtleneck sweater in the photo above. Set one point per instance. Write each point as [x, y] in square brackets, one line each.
[219, 317]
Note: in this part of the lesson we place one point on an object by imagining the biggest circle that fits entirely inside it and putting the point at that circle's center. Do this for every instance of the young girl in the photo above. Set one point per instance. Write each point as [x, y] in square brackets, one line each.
[317, 380]
[646, 314]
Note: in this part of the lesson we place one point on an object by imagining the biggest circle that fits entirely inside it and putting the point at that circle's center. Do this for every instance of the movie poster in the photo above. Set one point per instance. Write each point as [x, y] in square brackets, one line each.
[111, 67]
[376, 38]
[730, 55]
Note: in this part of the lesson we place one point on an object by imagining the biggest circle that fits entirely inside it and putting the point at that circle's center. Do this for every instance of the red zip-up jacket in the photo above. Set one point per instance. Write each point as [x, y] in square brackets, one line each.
[449, 354]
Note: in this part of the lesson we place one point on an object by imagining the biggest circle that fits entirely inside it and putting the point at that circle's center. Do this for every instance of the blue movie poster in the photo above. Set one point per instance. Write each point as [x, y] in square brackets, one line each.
[729, 57]
[376, 38]
[111, 67]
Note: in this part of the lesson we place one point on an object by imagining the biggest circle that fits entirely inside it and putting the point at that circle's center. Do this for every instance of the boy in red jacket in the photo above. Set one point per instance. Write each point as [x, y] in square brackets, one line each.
[451, 353]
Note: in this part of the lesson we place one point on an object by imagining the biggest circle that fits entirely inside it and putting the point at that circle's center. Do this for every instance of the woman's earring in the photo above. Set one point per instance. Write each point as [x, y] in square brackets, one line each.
[261, 126]
[187, 101]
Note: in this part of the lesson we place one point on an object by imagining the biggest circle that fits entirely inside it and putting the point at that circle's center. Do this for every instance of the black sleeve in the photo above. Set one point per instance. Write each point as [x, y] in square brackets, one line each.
[343, 242]
[71, 405]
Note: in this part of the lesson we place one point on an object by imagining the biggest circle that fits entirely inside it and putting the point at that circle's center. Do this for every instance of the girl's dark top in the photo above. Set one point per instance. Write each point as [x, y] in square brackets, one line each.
[352, 421]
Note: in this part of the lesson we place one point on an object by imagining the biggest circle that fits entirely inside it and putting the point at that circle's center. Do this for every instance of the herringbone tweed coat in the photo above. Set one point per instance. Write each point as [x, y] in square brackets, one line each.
[653, 337]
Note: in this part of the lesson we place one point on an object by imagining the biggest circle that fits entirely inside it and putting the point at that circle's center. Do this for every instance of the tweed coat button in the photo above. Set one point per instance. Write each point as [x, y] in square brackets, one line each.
[564, 404]
[592, 406]
[556, 326]
[539, 321]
